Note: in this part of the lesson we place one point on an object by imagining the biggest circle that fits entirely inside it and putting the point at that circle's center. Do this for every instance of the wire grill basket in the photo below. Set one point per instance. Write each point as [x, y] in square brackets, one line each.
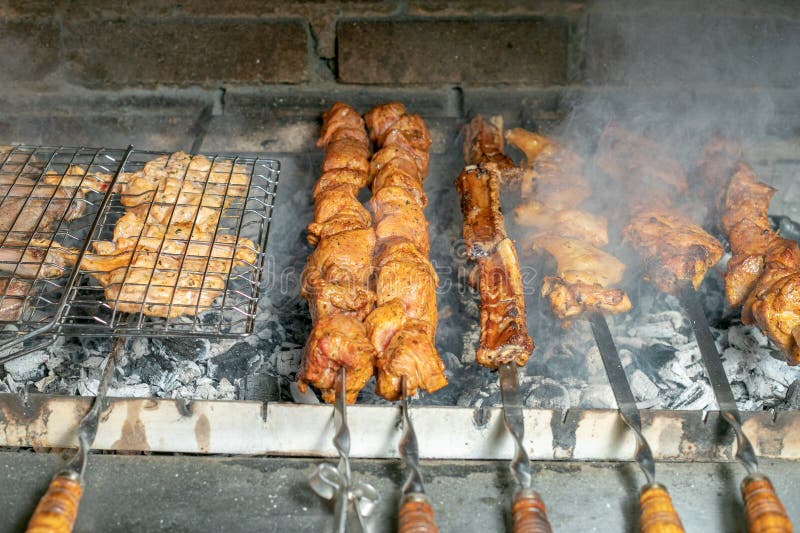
[178, 249]
[168, 244]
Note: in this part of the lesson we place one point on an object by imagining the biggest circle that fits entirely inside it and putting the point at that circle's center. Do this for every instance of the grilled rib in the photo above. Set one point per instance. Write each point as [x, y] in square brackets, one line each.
[504, 330]
[551, 210]
[402, 327]
[336, 278]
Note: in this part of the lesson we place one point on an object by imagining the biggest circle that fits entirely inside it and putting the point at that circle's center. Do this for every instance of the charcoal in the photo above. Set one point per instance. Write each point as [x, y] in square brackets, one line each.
[188, 372]
[182, 348]
[28, 367]
[598, 396]
[642, 386]
[235, 363]
[262, 387]
[140, 390]
[792, 400]
[156, 369]
[548, 395]
[653, 357]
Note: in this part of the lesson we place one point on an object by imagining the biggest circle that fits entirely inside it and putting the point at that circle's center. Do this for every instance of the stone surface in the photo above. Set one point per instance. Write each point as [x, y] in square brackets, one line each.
[29, 51]
[528, 50]
[152, 493]
[206, 53]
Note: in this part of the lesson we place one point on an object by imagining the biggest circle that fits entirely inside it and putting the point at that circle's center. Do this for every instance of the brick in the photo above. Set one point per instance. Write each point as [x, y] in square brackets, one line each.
[30, 51]
[529, 50]
[496, 7]
[133, 53]
[692, 49]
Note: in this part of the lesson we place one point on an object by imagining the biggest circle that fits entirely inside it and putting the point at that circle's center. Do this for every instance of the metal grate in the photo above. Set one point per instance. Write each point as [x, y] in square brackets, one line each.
[49, 198]
[157, 279]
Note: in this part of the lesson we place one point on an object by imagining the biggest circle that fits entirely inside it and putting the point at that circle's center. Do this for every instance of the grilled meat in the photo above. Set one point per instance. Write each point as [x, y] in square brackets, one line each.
[763, 274]
[28, 206]
[336, 279]
[36, 258]
[558, 226]
[673, 248]
[13, 293]
[504, 330]
[402, 327]
[166, 257]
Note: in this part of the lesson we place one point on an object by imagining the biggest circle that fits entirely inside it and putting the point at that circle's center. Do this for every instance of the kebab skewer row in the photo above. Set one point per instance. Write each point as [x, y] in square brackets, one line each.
[402, 327]
[336, 279]
[504, 340]
[581, 287]
[677, 253]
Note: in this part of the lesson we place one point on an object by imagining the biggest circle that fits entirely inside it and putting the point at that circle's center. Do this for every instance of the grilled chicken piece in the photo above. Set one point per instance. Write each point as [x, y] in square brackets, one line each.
[555, 172]
[77, 176]
[580, 262]
[166, 258]
[673, 248]
[649, 174]
[28, 206]
[497, 277]
[336, 279]
[36, 259]
[336, 341]
[570, 235]
[13, 293]
[763, 274]
[402, 327]
[572, 223]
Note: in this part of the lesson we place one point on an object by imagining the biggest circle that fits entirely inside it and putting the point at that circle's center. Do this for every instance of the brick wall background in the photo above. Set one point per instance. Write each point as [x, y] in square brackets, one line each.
[142, 71]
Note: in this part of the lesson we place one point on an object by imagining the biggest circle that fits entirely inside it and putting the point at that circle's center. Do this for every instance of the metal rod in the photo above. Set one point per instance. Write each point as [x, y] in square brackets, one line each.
[409, 449]
[515, 423]
[716, 376]
[621, 388]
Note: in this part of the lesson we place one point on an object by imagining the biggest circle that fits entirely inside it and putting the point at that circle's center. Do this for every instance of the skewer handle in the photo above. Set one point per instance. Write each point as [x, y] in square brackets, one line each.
[656, 512]
[416, 515]
[528, 513]
[763, 509]
[58, 508]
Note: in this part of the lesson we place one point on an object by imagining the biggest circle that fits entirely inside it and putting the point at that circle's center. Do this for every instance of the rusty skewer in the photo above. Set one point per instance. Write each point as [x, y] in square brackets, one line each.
[416, 513]
[57, 511]
[764, 512]
[528, 511]
[335, 482]
[656, 511]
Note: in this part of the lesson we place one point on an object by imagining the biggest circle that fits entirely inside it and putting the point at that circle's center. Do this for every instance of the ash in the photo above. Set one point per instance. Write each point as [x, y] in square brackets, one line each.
[655, 341]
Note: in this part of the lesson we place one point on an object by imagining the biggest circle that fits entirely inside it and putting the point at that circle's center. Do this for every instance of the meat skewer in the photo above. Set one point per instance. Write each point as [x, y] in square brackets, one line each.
[504, 342]
[763, 274]
[581, 288]
[336, 279]
[402, 327]
[677, 253]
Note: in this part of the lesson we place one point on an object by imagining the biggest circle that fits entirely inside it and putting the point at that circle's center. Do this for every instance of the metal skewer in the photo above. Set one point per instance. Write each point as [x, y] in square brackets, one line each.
[335, 482]
[528, 511]
[656, 512]
[416, 513]
[764, 511]
[58, 508]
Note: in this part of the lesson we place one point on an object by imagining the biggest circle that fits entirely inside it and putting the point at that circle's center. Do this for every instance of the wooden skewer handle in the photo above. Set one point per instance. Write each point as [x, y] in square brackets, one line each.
[58, 508]
[656, 512]
[528, 513]
[416, 515]
[763, 509]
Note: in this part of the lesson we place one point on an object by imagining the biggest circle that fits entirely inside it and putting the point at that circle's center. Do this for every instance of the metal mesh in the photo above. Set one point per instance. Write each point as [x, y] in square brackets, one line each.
[157, 279]
[49, 198]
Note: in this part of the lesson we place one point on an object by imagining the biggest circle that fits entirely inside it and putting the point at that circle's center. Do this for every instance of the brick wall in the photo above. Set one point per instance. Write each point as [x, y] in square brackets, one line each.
[548, 43]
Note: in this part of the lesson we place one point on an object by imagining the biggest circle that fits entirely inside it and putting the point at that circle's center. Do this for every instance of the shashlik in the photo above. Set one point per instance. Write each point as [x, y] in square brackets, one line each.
[763, 274]
[336, 279]
[504, 331]
[673, 248]
[12, 298]
[551, 212]
[402, 327]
